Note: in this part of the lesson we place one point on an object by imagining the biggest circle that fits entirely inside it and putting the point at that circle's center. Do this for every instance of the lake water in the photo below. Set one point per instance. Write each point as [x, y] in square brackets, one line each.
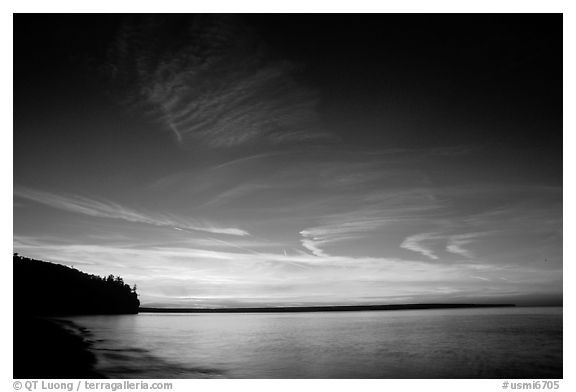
[451, 343]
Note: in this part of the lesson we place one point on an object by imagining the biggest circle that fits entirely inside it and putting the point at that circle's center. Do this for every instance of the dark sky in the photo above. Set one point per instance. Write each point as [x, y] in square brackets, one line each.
[216, 159]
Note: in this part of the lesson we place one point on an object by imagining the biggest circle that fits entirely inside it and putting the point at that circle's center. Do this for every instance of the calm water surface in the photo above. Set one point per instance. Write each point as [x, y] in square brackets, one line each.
[452, 343]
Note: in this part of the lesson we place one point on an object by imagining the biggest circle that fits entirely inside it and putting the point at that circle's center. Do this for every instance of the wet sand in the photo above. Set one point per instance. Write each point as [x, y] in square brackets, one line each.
[50, 348]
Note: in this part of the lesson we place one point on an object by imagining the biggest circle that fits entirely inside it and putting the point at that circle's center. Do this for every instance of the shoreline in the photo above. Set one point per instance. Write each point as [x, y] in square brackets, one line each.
[50, 348]
[342, 308]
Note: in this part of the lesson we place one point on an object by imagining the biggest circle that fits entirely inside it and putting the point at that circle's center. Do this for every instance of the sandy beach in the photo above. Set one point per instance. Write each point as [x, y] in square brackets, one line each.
[51, 348]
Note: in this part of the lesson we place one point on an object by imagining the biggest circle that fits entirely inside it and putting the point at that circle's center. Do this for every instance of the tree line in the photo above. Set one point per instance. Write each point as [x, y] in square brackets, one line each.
[44, 288]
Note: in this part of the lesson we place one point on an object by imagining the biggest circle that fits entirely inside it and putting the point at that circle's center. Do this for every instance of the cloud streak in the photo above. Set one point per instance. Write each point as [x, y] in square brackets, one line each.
[456, 244]
[415, 243]
[108, 209]
[216, 85]
[351, 228]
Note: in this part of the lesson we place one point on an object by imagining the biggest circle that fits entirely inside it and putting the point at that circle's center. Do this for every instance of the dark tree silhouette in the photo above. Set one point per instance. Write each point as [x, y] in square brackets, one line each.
[43, 288]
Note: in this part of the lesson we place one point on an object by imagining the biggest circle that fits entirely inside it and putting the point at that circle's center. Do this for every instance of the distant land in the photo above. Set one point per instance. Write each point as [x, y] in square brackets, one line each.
[344, 308]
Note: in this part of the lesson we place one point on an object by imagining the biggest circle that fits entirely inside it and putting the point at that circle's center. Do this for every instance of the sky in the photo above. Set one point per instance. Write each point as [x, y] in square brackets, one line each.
[285, 160]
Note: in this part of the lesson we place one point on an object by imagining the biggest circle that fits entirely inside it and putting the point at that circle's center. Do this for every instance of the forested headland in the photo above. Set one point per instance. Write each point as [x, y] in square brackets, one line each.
[48, 289]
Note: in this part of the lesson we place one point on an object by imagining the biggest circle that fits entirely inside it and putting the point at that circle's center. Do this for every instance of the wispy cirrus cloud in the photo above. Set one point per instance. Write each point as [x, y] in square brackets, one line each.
[426, 243]
[349, 227]
[112, 210]
[234, 193]
[215, 85]
[386, 209]
[416, 243]
[457, 244]
[313, 244]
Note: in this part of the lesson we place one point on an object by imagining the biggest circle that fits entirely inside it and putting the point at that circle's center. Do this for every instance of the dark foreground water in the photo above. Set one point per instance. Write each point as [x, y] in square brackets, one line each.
[452, 343]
